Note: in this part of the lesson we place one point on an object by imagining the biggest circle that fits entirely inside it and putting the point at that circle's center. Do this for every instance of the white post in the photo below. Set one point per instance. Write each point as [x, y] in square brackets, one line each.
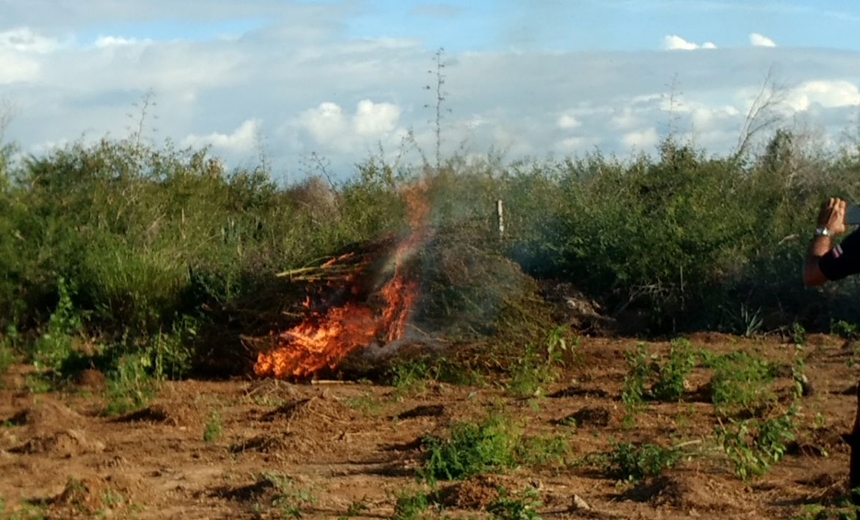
[501, 216]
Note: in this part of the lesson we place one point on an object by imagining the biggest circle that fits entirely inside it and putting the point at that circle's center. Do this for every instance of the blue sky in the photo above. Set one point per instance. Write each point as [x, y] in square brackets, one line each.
[485, 25]
[345, 79]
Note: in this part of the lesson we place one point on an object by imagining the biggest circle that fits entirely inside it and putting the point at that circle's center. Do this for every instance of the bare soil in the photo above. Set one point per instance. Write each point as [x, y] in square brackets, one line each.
[358, 444]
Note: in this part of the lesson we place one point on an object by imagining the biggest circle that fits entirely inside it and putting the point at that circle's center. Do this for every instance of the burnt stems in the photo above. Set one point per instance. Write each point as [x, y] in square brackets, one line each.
[853, 440]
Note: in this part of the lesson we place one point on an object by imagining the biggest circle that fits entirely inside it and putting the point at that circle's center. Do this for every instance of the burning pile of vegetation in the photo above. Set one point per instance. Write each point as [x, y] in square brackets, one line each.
[431, 287]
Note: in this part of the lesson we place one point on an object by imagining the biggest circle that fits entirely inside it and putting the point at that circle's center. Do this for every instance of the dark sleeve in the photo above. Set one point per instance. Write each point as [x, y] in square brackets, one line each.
[843, 260]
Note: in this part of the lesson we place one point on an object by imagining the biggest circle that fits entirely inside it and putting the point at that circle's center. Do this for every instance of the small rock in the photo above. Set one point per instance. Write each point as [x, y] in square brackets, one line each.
[579, 504]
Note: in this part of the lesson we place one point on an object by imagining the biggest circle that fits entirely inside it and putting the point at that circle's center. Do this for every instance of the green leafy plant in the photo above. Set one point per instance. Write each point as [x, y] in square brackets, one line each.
[410, 505]
[539, 367]
[638, 372]
[129, 386]
[471, 449]
[287, 500]
[652, 377]
[55, 344]
[672, 374]
[213, 428]
[754, 445]
[630, 462]
[519, 506]
[741, 383]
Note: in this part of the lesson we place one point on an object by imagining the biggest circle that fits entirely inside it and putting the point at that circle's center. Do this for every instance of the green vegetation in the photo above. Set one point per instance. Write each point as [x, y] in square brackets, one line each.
[741, 384]
[213, 428]
[538, 366]
[491, 445]
[651, 377]
[630, 462]
[519, 506]
[754, 445]
[411, 505]
[119, 249]
[284, 500]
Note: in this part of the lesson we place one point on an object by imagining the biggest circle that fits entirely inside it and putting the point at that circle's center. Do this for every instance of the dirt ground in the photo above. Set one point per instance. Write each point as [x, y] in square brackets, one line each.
[350, 445]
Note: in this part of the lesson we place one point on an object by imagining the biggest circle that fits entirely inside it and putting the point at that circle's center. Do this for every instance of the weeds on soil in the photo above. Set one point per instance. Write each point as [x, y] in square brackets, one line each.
[494, 444]
[653, 378]
[515, 506]
[286, 500]
[629, 462]
[741, 384]
[213, 428]
[754, 445]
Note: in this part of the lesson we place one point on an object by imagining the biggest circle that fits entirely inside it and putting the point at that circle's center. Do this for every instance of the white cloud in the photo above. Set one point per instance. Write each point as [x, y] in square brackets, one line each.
[333, 129]
[341, 97]
[325, 123]
[641, 140]
[672, 42]
[15, 68]
[828, 94]
[575, 145]
[626, 119]
[758, 40]
[375, 119]
[241, 141]
[119, 41]
[567, 122]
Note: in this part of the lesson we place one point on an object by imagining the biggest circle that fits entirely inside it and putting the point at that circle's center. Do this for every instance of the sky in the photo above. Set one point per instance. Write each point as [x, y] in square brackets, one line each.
[311, 84]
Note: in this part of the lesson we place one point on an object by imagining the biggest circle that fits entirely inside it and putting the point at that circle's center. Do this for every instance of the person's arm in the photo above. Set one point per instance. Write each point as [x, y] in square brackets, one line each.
[812, 275]
[824, 262]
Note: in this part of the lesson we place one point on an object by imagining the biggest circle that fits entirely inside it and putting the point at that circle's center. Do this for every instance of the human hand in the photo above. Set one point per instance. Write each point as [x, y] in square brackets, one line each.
[832, 215]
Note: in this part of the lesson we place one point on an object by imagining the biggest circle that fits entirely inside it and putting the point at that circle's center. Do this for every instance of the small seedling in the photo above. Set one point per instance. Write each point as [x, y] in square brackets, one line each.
[213, 428]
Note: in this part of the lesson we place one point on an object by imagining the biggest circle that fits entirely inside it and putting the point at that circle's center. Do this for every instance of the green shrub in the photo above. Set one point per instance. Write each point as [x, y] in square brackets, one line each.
[741, 384]
[519, 506]
[631, 462]
[754, 445]
[470, 450]
[652, 377]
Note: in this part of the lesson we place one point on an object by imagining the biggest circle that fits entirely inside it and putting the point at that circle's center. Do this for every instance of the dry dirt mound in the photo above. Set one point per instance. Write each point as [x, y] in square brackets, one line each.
[315, 412]
[472, 494]
[91, 379]
[167, 413]
[589, 416]
[424, 410]
[88, 496]
[65, 443]
[46, 414]
[263, 444]
[690, 491]
[173, 415]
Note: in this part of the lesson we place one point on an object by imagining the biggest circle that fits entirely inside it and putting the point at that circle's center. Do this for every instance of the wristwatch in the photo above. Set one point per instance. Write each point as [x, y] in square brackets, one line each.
[822, 232]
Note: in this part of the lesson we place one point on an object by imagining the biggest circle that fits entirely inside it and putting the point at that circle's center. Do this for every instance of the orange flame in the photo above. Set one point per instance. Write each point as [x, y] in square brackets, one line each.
[322, 341]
